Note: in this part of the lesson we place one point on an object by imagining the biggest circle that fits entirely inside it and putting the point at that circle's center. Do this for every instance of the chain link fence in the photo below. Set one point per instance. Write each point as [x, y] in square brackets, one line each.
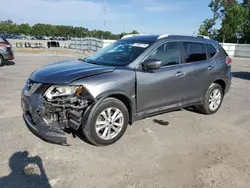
[91, 44]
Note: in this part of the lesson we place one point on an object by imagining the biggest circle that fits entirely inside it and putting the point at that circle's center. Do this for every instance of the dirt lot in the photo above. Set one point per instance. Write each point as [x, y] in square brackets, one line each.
[189, 151]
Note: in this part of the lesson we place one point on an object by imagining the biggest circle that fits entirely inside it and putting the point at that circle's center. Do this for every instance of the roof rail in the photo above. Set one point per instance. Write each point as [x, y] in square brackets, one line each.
[131, 35]
[163, 36]
[203, 36]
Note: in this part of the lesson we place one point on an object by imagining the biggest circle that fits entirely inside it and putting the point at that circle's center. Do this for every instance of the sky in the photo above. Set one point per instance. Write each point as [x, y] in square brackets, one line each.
[145, 16]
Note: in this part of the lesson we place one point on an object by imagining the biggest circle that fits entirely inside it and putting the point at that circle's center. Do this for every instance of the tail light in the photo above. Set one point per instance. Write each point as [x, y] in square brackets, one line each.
[228, 61]
[5, 45]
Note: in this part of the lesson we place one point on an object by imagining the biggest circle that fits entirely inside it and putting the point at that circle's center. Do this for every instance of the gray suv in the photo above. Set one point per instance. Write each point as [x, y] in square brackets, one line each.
[6, 52]
[133, 78]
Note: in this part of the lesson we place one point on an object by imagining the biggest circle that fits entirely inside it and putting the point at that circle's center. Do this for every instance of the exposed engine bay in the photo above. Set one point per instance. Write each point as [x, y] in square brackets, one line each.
[66, 112]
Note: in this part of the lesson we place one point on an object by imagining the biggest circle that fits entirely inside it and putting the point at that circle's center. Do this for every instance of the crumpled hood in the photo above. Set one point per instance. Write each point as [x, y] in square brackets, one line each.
[64, 72]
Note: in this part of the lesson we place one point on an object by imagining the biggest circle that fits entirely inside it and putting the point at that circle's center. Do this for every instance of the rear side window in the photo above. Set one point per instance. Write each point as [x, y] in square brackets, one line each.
[194, 52]
[169, 53]
[211, 51]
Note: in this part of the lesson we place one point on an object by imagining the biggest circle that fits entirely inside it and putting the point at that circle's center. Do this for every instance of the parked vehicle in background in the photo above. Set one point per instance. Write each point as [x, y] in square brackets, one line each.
[133, 78]
[45, 38]
[39, 37]
[6, 52]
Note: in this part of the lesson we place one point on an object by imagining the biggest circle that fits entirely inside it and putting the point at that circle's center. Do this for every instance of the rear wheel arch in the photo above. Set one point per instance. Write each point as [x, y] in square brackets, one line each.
[222, 83]
[204, 107]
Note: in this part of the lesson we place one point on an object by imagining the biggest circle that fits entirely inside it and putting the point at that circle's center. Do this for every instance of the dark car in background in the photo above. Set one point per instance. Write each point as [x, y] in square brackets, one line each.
[133, 78]
[6, 52]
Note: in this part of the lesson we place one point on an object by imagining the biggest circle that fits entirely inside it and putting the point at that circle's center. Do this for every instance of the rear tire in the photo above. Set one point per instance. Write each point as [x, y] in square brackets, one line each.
[1, 61]
[212, 100]
[103, 128]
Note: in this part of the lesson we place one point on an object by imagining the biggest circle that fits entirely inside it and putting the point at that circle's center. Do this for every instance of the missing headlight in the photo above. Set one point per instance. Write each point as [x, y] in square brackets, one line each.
[62, 91]
[66, 111]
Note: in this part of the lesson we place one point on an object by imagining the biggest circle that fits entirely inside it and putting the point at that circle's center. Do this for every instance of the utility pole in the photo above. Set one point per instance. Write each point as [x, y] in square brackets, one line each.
[105, 12]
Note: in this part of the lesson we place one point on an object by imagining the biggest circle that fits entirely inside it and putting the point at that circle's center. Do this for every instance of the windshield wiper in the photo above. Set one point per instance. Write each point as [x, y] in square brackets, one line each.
[80, 59]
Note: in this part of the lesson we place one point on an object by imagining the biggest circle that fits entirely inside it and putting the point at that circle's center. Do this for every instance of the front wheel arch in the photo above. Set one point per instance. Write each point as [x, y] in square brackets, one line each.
[124, 98]
[87, 124]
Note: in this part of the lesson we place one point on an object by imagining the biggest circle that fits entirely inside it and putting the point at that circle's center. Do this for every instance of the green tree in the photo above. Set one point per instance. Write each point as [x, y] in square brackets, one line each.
[246, 4]
[8, 27]
[55, 30]
[219, 7]
[206, 28]
[235, 19]
[235, 22]
[24, 29]
[134, 32]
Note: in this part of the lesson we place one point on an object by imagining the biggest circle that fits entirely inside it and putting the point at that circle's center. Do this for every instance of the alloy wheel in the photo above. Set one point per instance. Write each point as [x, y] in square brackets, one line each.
[109, 123]
[215, 99]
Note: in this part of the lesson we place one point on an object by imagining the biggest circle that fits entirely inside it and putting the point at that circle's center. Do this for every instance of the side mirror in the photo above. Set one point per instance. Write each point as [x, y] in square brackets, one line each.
[152, 64]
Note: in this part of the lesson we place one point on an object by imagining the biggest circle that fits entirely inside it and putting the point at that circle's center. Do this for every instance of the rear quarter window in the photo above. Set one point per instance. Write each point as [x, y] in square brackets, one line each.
[224, 51]
[211, 51]
[194, 52]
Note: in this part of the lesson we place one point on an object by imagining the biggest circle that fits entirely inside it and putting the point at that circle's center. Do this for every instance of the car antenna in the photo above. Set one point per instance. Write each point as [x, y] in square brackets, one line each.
[194, 32]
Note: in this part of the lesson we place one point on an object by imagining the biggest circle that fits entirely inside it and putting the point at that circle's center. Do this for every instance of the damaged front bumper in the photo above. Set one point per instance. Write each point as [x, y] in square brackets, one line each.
[45, 132]
[49, 119]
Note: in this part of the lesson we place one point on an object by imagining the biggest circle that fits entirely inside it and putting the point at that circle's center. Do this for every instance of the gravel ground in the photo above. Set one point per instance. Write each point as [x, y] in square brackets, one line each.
[182, 149]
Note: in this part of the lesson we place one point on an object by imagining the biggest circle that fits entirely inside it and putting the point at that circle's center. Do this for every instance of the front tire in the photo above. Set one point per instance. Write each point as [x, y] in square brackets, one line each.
[212, 100]
[108, 123]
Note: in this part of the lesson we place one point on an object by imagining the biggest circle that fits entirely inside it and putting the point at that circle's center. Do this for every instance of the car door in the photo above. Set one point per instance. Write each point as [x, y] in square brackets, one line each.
[161, 89]
[198, 70]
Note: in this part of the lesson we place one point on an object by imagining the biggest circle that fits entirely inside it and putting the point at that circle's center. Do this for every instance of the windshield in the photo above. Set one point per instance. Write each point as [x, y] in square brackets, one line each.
[121, 52]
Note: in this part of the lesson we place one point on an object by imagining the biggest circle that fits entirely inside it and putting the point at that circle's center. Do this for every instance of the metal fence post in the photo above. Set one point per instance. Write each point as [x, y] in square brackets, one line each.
[91, 44]
[81, 43]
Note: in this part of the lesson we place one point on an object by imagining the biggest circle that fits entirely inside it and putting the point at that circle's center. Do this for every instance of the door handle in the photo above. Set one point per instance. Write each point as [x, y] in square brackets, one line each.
[179, 74]
[210, 68]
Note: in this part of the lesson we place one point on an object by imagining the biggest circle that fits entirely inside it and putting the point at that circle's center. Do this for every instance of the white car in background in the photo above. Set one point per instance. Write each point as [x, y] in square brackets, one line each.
[46, 38]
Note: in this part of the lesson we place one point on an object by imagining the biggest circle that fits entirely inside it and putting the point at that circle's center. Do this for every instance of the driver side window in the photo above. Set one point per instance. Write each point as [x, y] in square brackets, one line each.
[169, 53]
